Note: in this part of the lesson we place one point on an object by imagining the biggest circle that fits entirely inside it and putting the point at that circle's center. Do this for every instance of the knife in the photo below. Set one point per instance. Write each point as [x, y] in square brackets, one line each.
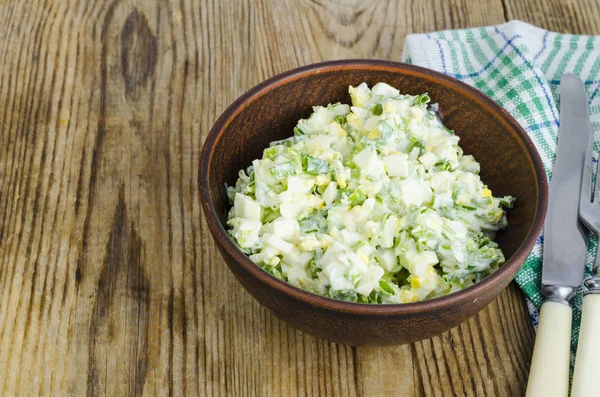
[565, 247]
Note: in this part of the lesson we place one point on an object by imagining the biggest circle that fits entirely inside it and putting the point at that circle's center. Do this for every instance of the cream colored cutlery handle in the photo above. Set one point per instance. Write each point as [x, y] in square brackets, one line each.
[587, 363]
[549, 373]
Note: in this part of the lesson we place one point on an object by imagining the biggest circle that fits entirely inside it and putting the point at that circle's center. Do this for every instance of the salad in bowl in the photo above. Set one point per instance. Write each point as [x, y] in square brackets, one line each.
[373, 202]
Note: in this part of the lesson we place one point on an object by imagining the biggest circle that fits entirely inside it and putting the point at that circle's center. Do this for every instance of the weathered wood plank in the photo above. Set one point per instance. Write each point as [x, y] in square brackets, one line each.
[109, 281]
[572, 16]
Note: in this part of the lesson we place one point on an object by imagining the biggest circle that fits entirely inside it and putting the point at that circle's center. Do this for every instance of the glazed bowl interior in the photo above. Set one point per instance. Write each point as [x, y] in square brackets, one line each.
[509, 163]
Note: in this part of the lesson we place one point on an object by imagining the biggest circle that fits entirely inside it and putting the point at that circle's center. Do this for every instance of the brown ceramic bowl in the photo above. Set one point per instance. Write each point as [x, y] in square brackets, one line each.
[510, 165]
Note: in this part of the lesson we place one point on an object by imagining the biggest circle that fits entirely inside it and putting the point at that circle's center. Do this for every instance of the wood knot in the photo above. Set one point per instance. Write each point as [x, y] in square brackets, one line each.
[138, 52]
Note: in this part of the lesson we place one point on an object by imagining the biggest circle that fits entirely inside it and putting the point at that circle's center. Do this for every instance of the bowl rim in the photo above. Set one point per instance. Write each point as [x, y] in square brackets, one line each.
[471, 293]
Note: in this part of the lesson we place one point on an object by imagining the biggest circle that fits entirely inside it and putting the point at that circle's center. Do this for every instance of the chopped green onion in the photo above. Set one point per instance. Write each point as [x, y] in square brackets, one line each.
[378, 109]
[282, 170]
[507, 201]
[341, 120]
[314, 166]
[375, 297]
[448, 130]
[274, 272]
[386, 288]
[347, 295]
[357, 197]
[422, 99]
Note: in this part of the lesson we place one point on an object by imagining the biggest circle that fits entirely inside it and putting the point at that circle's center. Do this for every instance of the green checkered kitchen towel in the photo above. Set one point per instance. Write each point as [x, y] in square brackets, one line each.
[519, 66]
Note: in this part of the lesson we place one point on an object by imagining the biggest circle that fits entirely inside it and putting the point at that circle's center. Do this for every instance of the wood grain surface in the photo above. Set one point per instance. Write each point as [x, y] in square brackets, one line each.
[109, 281]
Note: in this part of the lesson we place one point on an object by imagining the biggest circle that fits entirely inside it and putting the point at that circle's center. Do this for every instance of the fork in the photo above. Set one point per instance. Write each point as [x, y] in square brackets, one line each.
[587, 362]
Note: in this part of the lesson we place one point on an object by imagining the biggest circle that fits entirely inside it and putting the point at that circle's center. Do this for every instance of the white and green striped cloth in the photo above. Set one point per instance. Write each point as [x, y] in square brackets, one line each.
[520, 66]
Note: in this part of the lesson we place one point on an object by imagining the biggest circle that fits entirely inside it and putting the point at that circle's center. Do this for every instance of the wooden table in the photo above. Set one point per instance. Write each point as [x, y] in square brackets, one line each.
[109, 281]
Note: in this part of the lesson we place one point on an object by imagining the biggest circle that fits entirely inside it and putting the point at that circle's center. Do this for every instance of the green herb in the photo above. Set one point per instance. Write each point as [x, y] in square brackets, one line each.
[271, 153]
[231, 192]
[507, 201]
[300, 130]
[286, 143]
[484, 241]
[274, 272]
[312, 224]
[270, 214]
[363, 299]
[314, 269]
[459, 189]
[416, 144]
[358, 244]
[250, 188]
[357, 197]
[422, 99]
[282, 170]
[443, 165]
[305, 213]
[278, 188]
[448, 130]
[450, 278]
[314, 166]
[386, 289]
[378, 109]
[320, 189]
[459, 274]
[341, 120]
[401, 276]
[344, 192]
[459, 150]
[354, 278]
[347, 295]
[375, 297]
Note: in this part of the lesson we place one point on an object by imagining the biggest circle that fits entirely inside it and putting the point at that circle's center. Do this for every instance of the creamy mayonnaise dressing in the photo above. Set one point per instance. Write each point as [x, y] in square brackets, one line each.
[373, 203]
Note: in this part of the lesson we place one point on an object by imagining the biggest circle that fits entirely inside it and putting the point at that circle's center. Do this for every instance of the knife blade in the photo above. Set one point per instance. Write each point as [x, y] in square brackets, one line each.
[565, 239]
[565, 247]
